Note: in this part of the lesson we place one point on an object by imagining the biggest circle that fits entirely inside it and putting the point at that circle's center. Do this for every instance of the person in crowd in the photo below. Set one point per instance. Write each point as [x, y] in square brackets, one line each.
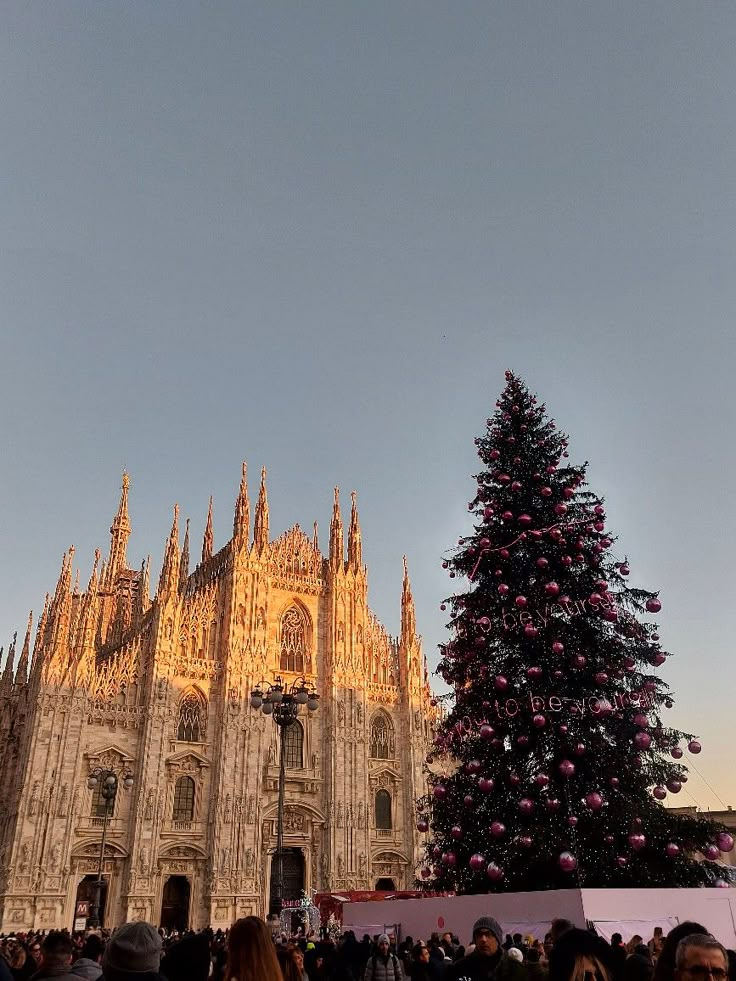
[489, 959]
[296, 954]
[56, 957]
[656, 943]
[535, 969]
[89, 963]
[419, 966]
[664, 969]
[404, 951]
[188, 959]
[699, 957]
[287, 965]
[632, 944]
[251, 955]
[579, 955]
[639, 965]
[133, 953]
[5, 972]
[618, 956]
[383, 964]
[22, 964]
[515, 954]
[558, 927]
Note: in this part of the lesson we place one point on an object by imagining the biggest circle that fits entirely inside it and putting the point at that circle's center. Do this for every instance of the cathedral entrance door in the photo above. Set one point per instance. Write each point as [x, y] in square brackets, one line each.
[293, 875]
[175, 903]
[385, 885]
[87, 892]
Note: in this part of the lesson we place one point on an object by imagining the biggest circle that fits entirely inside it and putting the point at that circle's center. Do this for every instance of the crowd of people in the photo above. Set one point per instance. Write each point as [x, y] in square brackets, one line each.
[250, 952]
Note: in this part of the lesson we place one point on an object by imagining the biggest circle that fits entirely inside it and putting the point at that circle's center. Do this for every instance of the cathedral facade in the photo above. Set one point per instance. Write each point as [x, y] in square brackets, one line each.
[156, 692]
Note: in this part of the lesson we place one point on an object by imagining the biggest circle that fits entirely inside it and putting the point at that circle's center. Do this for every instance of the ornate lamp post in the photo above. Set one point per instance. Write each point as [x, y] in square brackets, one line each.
[108, 781]
[282, 701]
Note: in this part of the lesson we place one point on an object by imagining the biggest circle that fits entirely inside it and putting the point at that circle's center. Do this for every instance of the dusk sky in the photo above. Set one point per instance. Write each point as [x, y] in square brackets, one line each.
[312, 236]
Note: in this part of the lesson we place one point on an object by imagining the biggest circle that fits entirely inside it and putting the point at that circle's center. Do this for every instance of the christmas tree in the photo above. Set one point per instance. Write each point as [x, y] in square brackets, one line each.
[550, 766]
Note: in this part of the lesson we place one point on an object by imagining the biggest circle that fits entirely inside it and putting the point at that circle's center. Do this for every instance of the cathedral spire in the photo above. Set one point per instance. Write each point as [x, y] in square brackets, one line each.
[60, 610]
[355, 546]
[6, 682]
[241, 521]
[315, 538]
[21, 674]
[143, 594]
[337, 545]
[408, 615]
[209, 539]
[184, 560]
[119, 535]
[260, 524]
[169, 578]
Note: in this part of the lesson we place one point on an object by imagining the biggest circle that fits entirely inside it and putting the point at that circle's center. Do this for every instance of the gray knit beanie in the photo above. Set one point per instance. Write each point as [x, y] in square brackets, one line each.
[134, 948]
[488, 923]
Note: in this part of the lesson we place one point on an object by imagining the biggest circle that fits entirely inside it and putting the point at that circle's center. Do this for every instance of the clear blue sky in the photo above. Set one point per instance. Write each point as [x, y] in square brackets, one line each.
[313, 235]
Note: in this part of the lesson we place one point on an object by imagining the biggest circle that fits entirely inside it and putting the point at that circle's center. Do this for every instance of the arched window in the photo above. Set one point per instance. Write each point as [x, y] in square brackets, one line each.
[383, 810]
[382, 738]
[99, 804]
[294, 654]
[184, 799]
[192, 727]
[294, 746]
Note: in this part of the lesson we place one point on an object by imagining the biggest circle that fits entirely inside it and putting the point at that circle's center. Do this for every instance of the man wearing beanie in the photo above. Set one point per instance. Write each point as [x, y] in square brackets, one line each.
[383, 965]
[133, 953]
[489, 960]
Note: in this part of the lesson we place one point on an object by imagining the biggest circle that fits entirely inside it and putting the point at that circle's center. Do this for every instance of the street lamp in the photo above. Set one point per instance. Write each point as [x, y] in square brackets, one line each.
[108, 781]
[282, 701]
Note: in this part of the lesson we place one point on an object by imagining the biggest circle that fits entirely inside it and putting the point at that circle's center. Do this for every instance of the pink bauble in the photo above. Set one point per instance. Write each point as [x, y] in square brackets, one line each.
[563, 728]
[541, 779]
[507, 515]
[522, 741]
[642, 740]
[525, 520]
[552, 589]
[594, 801]
[521, 602]
[572, 821]
[526, 841]
[494, 454]
[725, 842]
[542, 563]
[504, 553]
[594, 599]
[473, 766]
[599, 509]
[539, 721]
[546, 492]
[579, 749]
[624, 570]
[568, 862]
[485, 785]
[477, 861]
[598, 525]
[657, 660]
[456, 832]
[422, 825]
[468, 800]
[608, 839]
[494, 873]
[530, 631]
[552, 804]
[672, 850]
[611, 616]
[556, 674]
[497, 829]
[558, 647]
[503, 589]
[514, 779]
[674, 786]
[534, 673]
[622, 861]
[640, 720]
[486, 731]
[579, 661]
[676, 753]
[504, 478]
[653, 605]
[566, 560]
[501, 683]
[601, 677]
[440, 791]
[526, 806]
[694, 747]
[711, 852]
[637, 841]
[566, 768]
[560, 509]
[659, 792]
[516, 485]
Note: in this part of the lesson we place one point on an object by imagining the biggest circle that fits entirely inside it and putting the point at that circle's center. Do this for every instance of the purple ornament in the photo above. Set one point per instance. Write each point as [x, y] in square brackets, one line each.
[711, 852]
[525, 841]
[566, 768]
[568, 862]
[653, 605]
[486, 731]
[622, 861]
[468, 801]
[552, 589]
[579, 661]
[522, 740]
[474, 766]
[594, 801]
[642, 740]
[440, 791]
[456, 832]
[422, 825]
[501, 683]
[558, 647]
[531, 631]
[541, 779]
[694, 747]
[609, 839]
[449, 858]
[526, 806]
[539, 721]
[552, 804]
[674, 786]
[498, 829]
[494, 873]
[477, 861]
[485, 785]
[534, 673]
[672, 850]
[725, 842]
[660, 793]
[637, 841]
[521, 602]
[676, 753]
[572, 821]
[614, 782]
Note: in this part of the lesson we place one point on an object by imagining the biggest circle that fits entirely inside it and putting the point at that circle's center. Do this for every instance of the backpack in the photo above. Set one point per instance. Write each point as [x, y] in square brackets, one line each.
[394, 964]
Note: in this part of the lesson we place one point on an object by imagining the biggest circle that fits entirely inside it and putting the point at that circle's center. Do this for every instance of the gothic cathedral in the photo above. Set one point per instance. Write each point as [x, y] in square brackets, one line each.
[157, 693]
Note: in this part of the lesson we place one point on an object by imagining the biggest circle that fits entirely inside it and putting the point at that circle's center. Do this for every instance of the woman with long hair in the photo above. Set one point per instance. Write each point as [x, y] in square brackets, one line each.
[580, 956]
[250, 952]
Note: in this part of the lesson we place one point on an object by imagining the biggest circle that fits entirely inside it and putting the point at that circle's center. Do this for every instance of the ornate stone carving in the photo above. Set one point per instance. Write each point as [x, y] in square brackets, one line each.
[294, 821]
